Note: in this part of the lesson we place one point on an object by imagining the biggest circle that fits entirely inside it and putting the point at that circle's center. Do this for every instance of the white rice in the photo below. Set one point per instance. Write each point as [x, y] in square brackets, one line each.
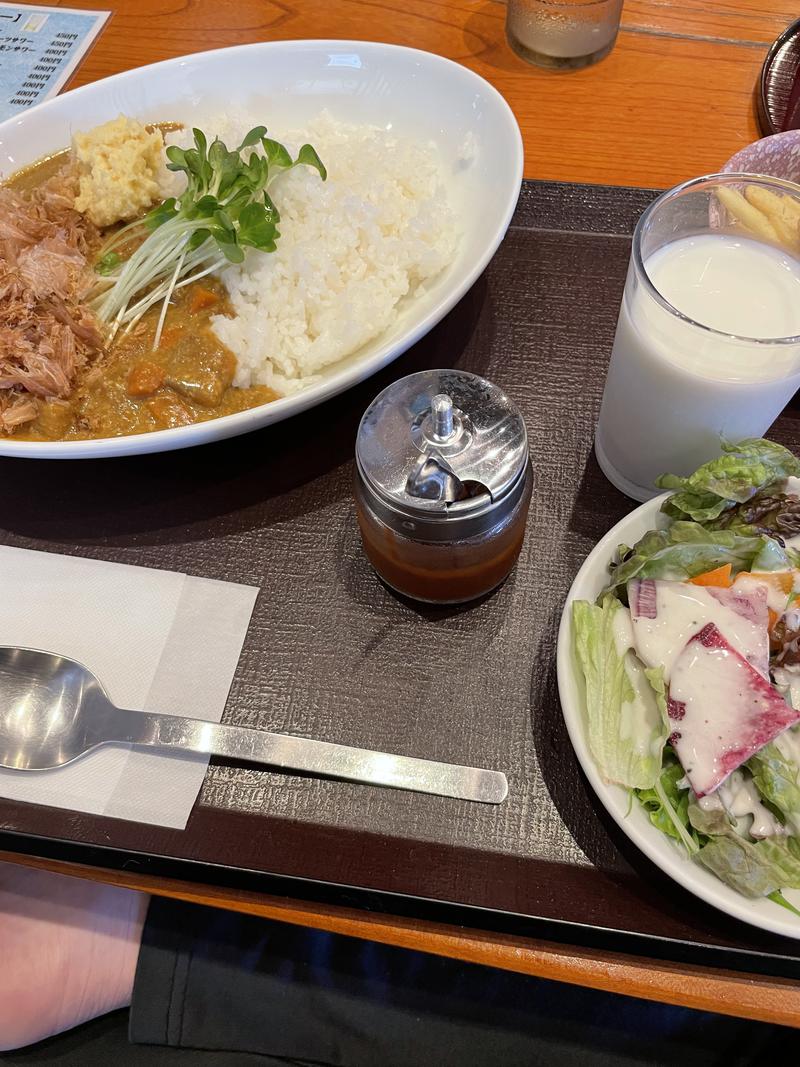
[353, 250]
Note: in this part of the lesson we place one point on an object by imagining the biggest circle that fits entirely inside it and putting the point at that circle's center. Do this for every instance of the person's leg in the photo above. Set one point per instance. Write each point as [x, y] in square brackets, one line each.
[68, 948]
[209, 979]
[104, 1042]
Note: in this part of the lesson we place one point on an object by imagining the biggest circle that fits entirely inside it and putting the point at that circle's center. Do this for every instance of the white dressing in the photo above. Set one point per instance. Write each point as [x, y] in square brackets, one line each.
[622, 629]
[711, 802]
[788, 744]
[683, 609]
[640, 718]
[741, 799]
[787, 682]
[722, 710]
[626, 728]
[776, 597]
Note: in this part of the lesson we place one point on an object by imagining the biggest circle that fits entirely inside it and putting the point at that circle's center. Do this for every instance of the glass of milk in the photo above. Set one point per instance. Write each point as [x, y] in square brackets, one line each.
[562, 34]
[708, 336]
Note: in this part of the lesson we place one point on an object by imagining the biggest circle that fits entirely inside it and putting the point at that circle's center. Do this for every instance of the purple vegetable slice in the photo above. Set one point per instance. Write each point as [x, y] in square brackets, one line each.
[721, 709]
[665, 615]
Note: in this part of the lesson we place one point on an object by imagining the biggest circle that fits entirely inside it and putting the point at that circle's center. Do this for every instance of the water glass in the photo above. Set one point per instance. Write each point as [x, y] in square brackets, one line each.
[562, 34]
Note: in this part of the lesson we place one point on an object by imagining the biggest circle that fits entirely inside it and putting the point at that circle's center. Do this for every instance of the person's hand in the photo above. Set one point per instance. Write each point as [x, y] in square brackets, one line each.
[69, 949]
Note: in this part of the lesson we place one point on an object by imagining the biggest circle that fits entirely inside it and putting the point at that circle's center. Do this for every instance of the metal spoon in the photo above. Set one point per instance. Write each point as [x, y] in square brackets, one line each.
[53, 710]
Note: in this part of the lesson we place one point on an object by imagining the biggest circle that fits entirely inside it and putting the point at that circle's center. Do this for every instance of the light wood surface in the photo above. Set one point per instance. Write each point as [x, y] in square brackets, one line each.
[750, 997]
[674, 99]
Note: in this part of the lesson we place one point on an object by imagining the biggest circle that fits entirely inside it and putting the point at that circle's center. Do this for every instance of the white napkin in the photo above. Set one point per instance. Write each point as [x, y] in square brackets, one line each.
[158, 641]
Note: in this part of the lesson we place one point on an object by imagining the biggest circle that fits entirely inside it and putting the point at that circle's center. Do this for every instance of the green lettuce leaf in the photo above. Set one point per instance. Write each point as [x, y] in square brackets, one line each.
[754, 869]
[741, 471]
[687, 548]
[667, 806]
[777, 779]
[709, 822]
[741, 865]
[771, 556]
[778, 898]
[783, 854]
[625, 703]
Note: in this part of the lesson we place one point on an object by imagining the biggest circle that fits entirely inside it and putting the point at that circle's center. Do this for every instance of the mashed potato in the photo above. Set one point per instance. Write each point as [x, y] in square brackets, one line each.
[120, 167]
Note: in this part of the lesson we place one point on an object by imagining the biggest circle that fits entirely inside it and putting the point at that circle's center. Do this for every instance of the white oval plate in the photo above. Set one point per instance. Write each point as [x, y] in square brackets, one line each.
[419, 94]
[631, 817]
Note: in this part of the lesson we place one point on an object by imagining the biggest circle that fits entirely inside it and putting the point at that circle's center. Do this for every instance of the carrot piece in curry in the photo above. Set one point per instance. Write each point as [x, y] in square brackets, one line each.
[145, 378]
[202, 298]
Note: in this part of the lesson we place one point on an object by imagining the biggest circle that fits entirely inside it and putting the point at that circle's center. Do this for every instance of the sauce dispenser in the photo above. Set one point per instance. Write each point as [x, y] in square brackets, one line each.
[443, 485]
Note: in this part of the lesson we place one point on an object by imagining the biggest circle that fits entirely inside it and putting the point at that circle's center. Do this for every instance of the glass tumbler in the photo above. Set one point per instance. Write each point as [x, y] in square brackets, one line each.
[707, 345]
[562, 34]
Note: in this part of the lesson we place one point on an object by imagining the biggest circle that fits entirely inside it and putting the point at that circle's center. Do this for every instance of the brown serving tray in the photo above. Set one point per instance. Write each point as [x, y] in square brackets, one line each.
[332, 654]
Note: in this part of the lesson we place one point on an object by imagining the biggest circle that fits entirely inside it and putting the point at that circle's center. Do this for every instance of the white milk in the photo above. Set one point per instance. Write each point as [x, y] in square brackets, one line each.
[673, 389]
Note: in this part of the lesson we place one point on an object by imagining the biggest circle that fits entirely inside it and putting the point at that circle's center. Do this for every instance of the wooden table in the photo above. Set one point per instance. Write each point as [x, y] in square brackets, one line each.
[673, 100]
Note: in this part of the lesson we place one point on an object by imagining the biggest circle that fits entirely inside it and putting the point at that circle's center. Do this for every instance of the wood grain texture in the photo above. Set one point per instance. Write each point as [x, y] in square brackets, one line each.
[764, 999]
[673, 100]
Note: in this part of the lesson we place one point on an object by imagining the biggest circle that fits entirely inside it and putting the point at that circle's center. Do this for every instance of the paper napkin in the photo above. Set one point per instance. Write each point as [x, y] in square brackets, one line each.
[157, 640]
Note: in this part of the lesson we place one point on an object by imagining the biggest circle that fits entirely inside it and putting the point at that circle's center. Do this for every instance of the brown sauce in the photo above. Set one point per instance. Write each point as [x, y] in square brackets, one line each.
[131, 389]
[27, 178]
[446, 572]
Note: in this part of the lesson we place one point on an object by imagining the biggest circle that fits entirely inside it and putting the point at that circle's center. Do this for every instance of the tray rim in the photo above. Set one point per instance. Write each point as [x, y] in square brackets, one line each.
[406, 905]
[612, 208]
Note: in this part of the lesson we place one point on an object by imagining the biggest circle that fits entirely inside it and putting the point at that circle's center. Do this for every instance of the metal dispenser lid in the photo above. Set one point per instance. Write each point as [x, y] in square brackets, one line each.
[442, 444]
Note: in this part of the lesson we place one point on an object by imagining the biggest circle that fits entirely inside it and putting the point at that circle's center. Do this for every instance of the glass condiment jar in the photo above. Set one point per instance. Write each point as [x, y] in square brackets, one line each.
[443, 485]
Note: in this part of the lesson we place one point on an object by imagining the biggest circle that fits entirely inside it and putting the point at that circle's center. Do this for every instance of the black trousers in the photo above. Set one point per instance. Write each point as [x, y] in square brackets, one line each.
[217, 989]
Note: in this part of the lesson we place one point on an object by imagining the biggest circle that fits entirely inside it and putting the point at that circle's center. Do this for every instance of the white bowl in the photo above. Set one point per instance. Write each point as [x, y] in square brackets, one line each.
[630, 816]
[417, 93]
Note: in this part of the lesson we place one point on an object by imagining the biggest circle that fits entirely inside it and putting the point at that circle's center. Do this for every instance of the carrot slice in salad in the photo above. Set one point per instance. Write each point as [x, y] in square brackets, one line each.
[720, 577]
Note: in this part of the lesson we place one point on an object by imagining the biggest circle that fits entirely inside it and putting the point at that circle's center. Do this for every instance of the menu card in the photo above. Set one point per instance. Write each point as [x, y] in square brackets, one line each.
[40, 47]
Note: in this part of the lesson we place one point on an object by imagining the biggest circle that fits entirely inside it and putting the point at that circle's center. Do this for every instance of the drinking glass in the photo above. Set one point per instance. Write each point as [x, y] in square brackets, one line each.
[562, 34]
[708, 337]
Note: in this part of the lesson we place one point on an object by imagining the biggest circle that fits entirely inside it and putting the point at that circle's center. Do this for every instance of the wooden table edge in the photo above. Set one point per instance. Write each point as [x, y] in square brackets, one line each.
[765, 999]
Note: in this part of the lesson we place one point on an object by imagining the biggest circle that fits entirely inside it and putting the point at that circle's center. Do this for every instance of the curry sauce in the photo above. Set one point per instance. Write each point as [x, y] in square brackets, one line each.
[131, 389]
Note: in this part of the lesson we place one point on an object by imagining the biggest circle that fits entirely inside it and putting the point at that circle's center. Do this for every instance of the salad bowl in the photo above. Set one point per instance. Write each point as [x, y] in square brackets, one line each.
[630, 815]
